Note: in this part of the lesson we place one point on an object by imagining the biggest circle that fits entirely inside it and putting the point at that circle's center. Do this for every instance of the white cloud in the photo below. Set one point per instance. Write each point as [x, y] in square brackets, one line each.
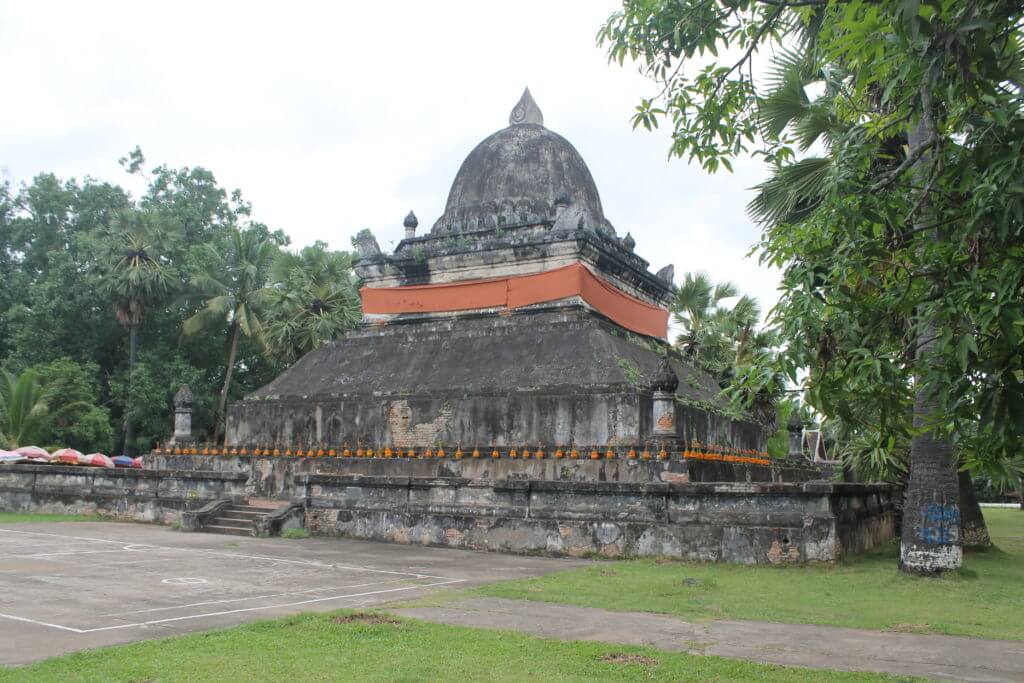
[333, 117]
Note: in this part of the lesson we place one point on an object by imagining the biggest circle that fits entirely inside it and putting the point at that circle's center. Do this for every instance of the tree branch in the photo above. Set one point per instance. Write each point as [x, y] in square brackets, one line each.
[911, 159]
[768, 23]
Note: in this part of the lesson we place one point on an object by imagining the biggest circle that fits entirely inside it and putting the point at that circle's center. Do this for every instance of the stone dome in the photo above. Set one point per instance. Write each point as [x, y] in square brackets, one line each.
[521, 175]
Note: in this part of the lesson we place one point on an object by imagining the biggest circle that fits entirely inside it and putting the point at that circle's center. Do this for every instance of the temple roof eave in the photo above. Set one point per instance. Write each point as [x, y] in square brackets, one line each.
[408, 265]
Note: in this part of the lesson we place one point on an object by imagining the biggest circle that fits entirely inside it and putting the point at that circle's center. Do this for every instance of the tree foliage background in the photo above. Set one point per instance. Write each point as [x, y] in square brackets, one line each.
[56, 319]
[902, 258]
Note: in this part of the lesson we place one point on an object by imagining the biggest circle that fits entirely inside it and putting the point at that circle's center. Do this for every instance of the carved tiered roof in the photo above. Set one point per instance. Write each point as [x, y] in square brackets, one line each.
[523, 174]
[522, 202]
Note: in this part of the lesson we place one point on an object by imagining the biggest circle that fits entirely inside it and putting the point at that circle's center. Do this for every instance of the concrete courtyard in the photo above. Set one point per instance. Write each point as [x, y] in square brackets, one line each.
[77, 585]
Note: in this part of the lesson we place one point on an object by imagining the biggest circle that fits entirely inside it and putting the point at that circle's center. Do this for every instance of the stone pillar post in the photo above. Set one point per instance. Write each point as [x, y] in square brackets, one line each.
[183, 416]
[663, 413]
[795, 426]
[410, 223]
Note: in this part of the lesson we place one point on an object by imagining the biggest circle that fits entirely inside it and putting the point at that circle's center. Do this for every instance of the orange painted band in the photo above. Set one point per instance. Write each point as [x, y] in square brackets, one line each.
[522, 290]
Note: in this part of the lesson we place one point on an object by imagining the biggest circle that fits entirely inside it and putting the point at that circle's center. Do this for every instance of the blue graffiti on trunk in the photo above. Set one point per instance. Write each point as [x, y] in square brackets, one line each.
[940, 524]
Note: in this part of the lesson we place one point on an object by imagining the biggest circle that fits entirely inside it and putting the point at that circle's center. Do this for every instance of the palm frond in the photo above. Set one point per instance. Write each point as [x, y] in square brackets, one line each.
[792, 191]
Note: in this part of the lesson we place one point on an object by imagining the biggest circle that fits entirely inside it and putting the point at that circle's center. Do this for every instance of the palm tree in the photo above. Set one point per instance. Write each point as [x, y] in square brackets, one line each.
[794, 190]
[695, 307]
[234, 293]
[136, 271]
[25, 409]
[312, 299]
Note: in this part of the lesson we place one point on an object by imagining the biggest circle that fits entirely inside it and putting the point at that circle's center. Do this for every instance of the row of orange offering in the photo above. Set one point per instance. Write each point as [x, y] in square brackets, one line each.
[526, 452]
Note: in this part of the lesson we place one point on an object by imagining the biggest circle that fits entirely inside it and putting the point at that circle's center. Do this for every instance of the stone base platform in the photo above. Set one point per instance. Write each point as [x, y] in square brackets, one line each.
[637, 509]
[274, 477]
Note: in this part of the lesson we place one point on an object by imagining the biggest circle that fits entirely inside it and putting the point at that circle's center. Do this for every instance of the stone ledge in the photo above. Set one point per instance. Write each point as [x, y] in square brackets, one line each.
[352, 480]
[814, 488]
[847, 488]
[125, 472]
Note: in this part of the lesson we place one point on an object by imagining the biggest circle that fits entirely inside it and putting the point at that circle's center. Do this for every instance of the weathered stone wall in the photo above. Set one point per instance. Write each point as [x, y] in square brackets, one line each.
[865, 515]
[739, 523]
[418, 421]
[696, 424]
[594, 419]
[138, 495]
[273, 476]
[746, 522]
[553, 376]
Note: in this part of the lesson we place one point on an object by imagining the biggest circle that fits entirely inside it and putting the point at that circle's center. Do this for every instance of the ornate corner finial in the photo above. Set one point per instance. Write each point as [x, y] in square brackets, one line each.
[665, 378]
[526, 111]
[366, 244]
[411, 221]
[183, 399]
[628, 242]
[795, 424]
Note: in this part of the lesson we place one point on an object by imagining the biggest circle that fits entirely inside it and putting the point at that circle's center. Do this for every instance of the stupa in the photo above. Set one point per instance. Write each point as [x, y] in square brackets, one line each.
[520, 319]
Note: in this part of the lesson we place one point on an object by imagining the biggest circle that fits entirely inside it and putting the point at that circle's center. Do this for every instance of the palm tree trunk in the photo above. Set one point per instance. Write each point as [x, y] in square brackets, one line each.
[129, 422]
[236, 333]
[930, 542]
[972, 527]
[931, 538]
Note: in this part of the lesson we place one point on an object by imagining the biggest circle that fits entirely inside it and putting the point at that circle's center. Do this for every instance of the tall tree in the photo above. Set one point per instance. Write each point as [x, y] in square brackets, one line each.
[235, 294]
[135, 272]
[696, 306]
[895, 137]
[312, 300]
[53, 241]
[726, 339]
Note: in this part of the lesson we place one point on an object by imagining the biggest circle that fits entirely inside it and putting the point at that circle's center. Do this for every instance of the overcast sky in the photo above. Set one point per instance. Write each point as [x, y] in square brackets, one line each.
[332, 117]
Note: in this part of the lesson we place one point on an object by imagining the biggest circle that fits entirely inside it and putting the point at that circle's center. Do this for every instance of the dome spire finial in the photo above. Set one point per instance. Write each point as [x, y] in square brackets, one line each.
[526, 111]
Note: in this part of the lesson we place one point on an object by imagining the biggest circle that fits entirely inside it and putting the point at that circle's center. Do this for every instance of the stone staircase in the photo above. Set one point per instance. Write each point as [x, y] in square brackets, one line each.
[256, 517]
[237, 520]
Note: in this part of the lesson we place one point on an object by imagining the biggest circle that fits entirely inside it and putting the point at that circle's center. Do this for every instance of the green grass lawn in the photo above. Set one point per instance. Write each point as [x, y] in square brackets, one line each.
[318, 647]
[13, 517]
[985, 598]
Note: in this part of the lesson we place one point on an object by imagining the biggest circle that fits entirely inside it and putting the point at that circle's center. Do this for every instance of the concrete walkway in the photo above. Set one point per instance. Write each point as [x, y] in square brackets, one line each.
[826, 647]
[57, 593]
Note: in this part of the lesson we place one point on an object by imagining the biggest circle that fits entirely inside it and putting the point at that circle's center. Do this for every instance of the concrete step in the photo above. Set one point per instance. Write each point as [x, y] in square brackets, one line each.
[229, 530]
[248, 510]
[249, 514]
[232, 520]
[266, 503]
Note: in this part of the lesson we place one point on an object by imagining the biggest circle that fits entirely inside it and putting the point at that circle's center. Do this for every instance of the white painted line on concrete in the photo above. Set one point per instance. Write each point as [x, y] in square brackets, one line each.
[323, 565]
[40, 623]
[226, 612]
[254, 597]
[999, 505]
[75, 538]
[70, 552]
[211, 551]
[265, 607]
[106, 565]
